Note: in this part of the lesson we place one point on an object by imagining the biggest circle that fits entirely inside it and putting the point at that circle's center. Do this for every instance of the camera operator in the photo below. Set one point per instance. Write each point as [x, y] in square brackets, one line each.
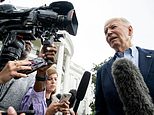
[12, 90]
[28, 49]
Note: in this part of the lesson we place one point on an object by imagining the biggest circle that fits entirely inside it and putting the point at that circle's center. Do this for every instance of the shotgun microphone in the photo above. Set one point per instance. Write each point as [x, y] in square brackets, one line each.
[132, 90]
[82, 88]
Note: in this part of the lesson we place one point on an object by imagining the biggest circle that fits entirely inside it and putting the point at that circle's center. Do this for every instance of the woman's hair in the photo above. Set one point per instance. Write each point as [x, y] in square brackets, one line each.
[51, 70]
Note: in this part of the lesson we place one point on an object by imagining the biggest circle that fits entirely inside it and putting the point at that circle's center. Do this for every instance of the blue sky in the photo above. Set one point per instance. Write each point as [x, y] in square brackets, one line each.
[89, 43]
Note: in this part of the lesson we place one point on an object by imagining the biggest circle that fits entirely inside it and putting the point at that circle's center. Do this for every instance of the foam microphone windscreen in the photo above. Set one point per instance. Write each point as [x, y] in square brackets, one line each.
[82, 88]
[132, 90]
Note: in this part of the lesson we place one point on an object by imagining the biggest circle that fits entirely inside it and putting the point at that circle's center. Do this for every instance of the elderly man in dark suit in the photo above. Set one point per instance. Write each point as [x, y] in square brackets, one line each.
[119, 32]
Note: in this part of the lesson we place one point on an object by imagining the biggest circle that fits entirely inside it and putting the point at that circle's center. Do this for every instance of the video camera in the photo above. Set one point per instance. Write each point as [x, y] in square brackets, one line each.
[43, 22]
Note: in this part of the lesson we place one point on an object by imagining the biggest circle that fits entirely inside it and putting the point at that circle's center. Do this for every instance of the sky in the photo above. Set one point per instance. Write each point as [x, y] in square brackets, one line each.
[90, 46]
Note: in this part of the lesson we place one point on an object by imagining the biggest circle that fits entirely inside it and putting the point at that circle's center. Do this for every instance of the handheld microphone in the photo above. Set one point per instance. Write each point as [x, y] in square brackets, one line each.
[82, 88]
[132, 90]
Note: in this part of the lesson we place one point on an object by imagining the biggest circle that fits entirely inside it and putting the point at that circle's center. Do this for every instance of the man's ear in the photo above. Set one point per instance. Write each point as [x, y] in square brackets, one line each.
[130, 30]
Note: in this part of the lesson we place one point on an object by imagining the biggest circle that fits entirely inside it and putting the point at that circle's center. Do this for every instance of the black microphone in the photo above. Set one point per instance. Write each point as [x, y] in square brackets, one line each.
[82, 88]
[132, 90]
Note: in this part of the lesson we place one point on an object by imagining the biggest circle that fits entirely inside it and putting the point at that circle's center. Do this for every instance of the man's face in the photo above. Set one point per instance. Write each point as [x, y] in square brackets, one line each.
[28, 47]
[26, 51]
[118, 34]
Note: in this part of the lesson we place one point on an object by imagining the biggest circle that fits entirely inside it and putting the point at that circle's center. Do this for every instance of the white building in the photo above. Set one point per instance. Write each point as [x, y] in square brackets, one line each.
[70, 73]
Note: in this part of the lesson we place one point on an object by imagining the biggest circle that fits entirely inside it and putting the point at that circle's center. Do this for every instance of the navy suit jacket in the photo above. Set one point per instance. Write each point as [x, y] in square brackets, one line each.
[107, 100]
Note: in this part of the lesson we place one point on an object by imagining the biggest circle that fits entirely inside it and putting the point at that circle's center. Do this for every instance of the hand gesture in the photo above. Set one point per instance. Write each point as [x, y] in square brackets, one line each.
[12, 69]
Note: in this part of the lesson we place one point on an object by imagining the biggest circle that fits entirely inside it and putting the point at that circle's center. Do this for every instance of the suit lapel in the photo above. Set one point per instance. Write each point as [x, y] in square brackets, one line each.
[145, 60]
[109, 65]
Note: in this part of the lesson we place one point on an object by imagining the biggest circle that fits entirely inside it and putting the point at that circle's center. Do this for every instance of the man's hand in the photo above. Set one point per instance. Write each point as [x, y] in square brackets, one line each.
[11, 70]
[48, 54]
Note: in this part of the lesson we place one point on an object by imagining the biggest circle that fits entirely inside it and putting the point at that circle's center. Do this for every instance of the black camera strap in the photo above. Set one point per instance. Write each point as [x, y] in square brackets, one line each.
[4, 89]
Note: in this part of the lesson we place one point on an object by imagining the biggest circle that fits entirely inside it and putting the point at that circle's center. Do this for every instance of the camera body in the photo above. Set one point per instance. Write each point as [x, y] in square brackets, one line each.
[16, 26]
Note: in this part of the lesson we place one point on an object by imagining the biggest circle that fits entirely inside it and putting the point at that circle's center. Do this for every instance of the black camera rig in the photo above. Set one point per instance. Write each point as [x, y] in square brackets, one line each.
[29, 24]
